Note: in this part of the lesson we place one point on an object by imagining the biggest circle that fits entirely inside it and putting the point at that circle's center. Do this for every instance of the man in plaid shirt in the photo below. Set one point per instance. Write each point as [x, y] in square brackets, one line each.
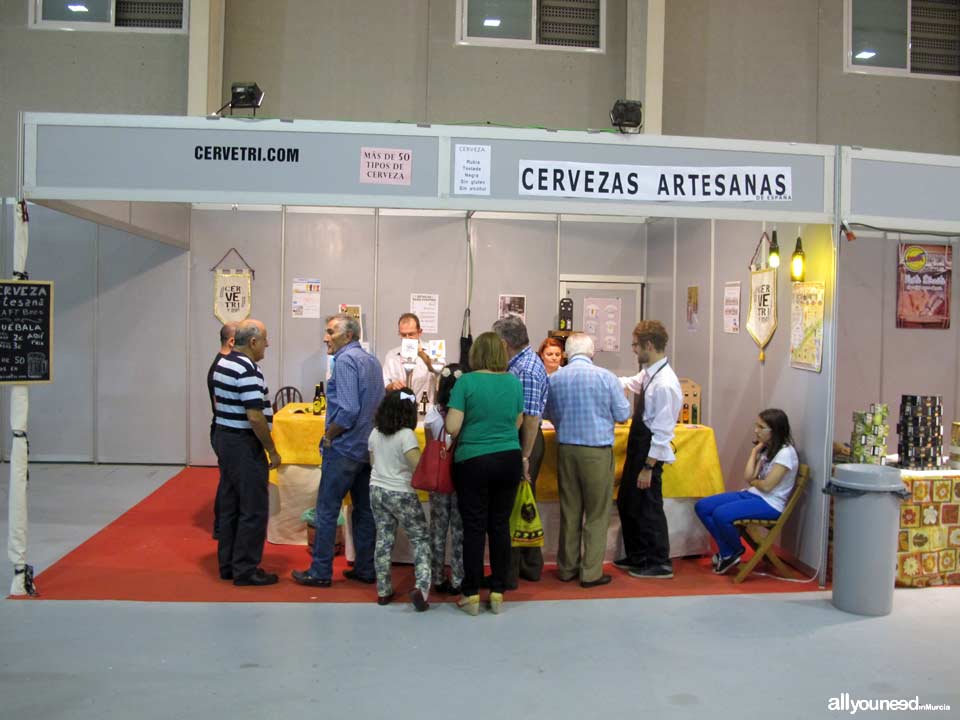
[526, 563]
[584, 403]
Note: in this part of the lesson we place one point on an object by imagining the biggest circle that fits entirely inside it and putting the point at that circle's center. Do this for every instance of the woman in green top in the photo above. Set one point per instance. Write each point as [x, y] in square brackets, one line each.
[484, 413]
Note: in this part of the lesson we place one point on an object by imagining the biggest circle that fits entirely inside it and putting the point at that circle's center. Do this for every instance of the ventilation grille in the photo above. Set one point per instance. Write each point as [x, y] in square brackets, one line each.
[161, 15]
[935, 37]
[569, 23]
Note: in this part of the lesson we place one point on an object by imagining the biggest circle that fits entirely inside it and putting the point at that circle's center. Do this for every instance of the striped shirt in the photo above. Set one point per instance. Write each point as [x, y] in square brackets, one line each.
[238, 386]
[584, 403]
[528, 366]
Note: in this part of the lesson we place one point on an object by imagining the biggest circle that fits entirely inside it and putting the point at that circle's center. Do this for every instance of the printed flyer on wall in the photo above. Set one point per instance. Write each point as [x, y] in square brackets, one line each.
[923, 286]
[806, 326]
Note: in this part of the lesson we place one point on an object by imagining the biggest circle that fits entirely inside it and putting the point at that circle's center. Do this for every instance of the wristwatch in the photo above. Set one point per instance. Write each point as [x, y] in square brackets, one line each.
[648, 466]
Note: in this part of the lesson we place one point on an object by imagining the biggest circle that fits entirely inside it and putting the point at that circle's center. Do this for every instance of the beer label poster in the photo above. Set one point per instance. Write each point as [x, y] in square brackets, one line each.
[26, 332]
[924, 275]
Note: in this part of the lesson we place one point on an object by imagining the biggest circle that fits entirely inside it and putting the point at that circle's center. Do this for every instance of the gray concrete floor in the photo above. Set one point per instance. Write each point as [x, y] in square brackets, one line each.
[778, 656]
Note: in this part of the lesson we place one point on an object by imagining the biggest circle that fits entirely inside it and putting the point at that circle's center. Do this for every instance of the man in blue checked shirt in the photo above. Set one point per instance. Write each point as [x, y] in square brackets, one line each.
[354, 393]
[526, 563]
[584, 403]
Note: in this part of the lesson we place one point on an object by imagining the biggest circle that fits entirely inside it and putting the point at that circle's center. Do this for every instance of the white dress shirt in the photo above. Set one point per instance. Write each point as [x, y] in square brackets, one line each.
[663, 399]
[419, 383]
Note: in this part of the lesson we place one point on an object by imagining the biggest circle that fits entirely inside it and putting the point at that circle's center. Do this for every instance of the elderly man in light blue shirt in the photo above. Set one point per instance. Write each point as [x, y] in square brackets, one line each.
[584, 403]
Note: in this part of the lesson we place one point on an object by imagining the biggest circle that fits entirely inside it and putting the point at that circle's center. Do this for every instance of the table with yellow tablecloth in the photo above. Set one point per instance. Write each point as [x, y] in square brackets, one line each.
[928, 546]
[695, 473]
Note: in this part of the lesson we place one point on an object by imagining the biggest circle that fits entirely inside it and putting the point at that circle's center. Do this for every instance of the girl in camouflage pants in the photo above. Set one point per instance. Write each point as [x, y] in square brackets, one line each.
[444, 513]
[394, 454]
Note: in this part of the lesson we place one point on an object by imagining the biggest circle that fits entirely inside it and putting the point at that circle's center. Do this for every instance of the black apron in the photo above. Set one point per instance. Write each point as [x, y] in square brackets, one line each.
[639, 439]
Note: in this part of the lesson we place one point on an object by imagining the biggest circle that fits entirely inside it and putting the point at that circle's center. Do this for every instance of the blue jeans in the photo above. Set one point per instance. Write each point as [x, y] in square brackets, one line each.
[341, 475]
[718, 512]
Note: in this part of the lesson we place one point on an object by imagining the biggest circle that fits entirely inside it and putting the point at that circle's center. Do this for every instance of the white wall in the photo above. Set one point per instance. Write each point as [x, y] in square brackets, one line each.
[119, 365]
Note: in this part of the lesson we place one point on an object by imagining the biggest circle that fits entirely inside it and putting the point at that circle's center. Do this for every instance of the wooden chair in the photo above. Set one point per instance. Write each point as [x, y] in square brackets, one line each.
[286, 394]
[763, 545]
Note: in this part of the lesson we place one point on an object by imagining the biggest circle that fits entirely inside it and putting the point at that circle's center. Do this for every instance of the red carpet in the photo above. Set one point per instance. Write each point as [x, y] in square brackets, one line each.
[161, 551]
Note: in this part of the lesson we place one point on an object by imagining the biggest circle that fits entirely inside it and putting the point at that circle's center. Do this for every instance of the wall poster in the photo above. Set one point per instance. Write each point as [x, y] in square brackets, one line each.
[232, 295]
[806, 326]
[693, 307]
[601, 321]
[512, 305]
[923, 286]
[731, 307]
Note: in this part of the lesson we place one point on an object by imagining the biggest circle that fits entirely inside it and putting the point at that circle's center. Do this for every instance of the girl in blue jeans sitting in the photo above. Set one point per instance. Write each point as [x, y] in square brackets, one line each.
[770, 474]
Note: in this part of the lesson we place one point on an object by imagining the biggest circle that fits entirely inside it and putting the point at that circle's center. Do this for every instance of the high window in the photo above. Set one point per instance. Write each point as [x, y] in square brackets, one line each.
[571, 25]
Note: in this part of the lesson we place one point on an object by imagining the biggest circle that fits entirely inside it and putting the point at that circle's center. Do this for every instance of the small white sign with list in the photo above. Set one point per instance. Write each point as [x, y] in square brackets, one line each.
[471, 170]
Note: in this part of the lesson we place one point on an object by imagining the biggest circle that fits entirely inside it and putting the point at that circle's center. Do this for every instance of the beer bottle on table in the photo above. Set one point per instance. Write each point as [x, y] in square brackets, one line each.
[319, 400]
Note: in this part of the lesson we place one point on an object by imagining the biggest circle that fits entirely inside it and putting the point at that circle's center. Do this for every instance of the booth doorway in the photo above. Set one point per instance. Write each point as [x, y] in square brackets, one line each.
[610, 321]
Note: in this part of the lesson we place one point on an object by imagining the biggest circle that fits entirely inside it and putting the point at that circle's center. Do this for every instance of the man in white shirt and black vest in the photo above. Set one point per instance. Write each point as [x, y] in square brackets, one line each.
[659, 398]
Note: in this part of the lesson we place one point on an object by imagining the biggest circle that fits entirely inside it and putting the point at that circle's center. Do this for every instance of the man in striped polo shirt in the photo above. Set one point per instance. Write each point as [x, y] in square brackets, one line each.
[243, 419]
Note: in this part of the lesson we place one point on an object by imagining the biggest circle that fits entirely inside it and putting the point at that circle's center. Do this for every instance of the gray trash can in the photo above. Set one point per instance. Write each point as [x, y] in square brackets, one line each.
[865, 524]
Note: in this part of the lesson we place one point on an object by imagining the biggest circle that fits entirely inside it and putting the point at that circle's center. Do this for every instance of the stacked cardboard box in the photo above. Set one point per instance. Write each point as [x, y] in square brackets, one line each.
[921, 432]
[868, 442]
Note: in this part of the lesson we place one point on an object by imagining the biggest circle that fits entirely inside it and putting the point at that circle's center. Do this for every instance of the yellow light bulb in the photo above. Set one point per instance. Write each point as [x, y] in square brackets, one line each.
[796, 268]
[774, 260]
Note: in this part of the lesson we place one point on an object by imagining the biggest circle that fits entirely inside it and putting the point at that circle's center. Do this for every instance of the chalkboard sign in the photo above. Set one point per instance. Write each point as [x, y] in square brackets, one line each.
[26, 331]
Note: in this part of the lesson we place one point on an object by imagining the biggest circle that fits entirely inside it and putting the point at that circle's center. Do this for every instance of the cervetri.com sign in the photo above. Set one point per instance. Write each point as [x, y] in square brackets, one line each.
[602, 181]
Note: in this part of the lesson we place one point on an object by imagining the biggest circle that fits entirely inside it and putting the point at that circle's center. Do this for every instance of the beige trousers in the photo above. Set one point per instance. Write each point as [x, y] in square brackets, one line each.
[585, 485]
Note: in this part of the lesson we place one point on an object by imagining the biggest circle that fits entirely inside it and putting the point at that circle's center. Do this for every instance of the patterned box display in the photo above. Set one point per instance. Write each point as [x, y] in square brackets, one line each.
[921, 434]
[868, 441]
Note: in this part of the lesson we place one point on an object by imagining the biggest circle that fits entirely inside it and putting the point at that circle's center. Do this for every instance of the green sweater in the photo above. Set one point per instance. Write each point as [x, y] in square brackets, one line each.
[490, 403]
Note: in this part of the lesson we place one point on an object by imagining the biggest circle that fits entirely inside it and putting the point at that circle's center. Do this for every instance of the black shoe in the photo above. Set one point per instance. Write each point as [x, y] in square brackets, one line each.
[625, 564]
[652, 572]
[447, 588]
[602, 580]
[530, 578]
[566, 579]
[352, 575]
[715, 560]
[727, 563]
[419, 601]
[385, 599]
[226, 574]
[257, 578]
[303, 577]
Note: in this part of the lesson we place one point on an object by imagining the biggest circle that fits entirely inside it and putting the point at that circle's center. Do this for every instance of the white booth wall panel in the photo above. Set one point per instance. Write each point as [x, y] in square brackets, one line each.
[691, 349]
[860, 360]
[141, 363]
[63, 249]
[915, 361]
[422, 255]
[602, 248]
[337, 249]
[659, 263]
[256, 235]
[515, 257]
[736, 396]
[804, 395]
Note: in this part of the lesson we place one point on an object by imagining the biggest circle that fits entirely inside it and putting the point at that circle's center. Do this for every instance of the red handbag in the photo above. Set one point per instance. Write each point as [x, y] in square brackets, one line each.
[434, 471]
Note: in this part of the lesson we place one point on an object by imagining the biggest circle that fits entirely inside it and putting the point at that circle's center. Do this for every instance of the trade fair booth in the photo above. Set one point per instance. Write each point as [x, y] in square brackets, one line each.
[899, 345]
[388, 218]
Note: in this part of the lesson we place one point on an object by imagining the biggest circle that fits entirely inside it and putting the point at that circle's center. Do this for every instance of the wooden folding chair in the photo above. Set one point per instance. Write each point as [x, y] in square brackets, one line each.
[763, 544]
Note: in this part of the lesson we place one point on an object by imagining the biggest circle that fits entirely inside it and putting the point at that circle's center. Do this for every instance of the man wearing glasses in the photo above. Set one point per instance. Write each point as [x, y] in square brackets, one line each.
[395, 375]
[640, 500]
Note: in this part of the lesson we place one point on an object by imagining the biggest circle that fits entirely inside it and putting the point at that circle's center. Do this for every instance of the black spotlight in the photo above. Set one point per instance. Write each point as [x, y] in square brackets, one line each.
[627, 115]
[244, 95]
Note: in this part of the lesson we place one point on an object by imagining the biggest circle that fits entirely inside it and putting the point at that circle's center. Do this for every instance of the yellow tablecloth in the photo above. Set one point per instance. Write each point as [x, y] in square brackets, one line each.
[696, 472]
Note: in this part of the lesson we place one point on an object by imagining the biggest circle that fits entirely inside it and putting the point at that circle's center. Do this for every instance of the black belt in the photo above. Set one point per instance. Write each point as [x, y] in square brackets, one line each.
[235, 431]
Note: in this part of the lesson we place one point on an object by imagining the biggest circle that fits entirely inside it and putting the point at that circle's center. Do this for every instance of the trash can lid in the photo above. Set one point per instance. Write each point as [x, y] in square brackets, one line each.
[871, 478]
